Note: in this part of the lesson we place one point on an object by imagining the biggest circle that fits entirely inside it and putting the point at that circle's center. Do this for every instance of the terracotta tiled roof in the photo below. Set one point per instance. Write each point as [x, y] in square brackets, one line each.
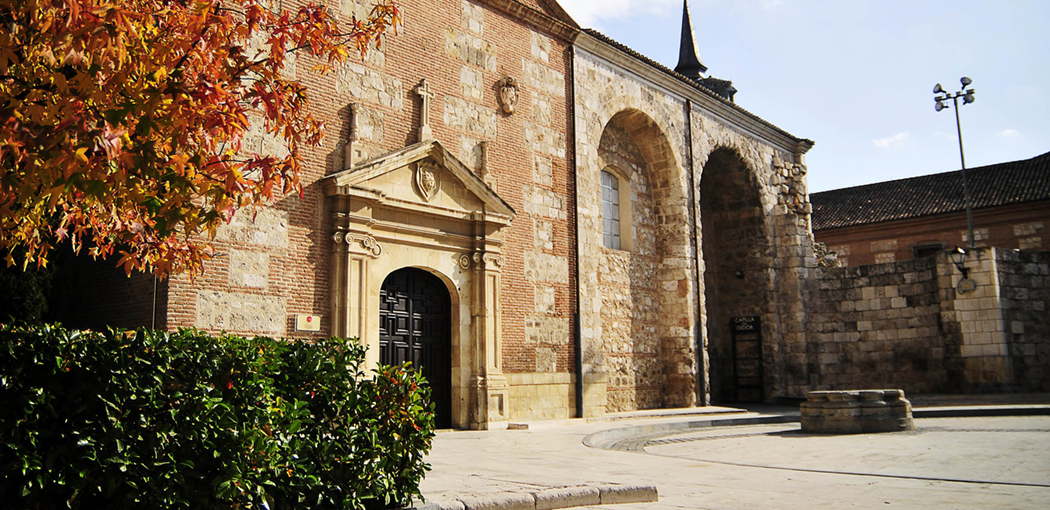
[993, 185]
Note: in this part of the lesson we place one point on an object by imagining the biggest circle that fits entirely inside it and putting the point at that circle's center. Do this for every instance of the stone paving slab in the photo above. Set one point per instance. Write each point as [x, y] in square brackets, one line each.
[480, 462]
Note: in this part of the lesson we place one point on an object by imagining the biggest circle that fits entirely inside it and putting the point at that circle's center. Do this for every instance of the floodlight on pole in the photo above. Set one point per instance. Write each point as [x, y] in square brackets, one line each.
[967, 95]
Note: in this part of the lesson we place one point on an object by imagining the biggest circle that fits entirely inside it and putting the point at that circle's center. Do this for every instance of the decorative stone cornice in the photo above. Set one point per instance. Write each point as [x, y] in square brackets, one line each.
[362, 241]
[564, 29]
[481, 259]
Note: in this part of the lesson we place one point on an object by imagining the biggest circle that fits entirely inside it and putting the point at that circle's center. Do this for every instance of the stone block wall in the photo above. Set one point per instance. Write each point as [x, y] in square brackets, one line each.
[541, 396]
[1024, 280]
[676, 139]
[912, 325]
[877, 326]
[977, 316]
[627, 277]
[637, 304]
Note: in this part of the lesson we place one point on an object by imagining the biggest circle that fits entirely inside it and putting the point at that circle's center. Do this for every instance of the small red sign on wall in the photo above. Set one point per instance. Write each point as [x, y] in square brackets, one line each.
[305, 322]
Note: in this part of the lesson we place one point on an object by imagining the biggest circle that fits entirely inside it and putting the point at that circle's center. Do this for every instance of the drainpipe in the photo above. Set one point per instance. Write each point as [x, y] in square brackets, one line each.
[153, 314]
[698, 330]
[577, 345]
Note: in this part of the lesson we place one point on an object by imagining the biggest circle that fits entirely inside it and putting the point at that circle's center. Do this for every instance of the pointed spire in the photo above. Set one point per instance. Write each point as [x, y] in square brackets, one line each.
[688, 61]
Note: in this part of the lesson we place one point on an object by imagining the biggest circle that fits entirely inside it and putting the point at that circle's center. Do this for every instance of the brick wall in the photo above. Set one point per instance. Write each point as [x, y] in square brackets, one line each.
[275, 264]
[1024, 226]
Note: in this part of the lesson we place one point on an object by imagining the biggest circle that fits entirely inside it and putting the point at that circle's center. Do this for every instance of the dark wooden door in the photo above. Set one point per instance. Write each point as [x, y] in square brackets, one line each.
[415, 326]
[747, 358]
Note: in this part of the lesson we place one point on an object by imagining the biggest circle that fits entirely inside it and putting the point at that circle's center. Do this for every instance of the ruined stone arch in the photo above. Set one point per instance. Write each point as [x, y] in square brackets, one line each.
[737, 274]
[645, 292]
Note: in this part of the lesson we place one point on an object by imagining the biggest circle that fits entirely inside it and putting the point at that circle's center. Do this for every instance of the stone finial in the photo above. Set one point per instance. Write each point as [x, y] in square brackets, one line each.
[348, 148]
[483, 158]
[425, 95]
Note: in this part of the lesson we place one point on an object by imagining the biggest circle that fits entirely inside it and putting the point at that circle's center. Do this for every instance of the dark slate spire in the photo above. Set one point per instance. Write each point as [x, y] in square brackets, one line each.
[688, 62]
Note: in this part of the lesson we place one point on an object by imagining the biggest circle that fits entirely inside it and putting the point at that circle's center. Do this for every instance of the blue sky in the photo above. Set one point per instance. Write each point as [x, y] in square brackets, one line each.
[856, 76]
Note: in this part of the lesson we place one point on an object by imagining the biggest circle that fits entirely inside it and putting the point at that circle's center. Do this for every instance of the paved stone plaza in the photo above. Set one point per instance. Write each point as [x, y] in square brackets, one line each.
[953, 462]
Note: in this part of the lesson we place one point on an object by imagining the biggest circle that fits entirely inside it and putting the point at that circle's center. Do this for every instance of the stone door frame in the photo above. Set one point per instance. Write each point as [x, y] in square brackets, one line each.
[375, 234]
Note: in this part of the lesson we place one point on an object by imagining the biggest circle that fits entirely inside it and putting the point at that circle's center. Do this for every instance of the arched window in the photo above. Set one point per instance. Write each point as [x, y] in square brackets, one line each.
[610, 210]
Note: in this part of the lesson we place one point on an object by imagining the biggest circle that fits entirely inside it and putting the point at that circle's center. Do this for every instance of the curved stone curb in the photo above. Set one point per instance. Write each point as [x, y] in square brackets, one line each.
[565, 497]
[504, 501]
[630, 438]
[549, 499]
[611, 494]
[978, 411]
[634, 438]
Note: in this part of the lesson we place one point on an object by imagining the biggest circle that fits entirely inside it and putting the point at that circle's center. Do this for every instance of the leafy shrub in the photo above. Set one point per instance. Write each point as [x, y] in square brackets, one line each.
[152, 419]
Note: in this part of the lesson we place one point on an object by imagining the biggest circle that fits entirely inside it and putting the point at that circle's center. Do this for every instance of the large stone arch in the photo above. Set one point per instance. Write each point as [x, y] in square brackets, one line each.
[642, 293]
[738, 276]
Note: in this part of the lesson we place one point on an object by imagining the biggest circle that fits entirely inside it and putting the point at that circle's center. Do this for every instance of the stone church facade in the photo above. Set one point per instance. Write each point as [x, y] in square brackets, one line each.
[549, 223]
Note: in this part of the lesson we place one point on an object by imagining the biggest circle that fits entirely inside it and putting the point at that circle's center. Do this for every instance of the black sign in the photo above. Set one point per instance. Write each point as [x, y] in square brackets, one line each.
[749, 323]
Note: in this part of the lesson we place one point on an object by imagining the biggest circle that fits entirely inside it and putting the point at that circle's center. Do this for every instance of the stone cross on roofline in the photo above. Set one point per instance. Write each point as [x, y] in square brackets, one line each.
[425, 95]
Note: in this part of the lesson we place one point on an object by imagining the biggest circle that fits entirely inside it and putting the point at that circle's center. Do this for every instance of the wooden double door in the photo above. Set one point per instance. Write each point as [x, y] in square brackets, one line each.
[415, 325]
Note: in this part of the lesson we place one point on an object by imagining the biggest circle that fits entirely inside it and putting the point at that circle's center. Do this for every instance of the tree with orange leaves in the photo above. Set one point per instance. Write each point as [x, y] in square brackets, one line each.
[123, 123]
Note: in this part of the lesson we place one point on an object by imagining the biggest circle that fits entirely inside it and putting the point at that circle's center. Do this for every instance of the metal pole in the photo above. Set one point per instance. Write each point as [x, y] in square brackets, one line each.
[966, 184]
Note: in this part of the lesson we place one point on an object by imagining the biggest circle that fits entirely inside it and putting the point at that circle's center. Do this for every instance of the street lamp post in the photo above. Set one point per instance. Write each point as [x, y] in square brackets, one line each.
[967, 96]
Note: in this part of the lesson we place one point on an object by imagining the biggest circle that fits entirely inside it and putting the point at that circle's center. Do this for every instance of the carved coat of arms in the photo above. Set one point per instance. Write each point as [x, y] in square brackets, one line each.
[426, 179]
[508, 94]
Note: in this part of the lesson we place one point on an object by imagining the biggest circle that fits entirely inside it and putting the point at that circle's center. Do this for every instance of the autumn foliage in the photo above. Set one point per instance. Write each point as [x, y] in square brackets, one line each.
[126, 126]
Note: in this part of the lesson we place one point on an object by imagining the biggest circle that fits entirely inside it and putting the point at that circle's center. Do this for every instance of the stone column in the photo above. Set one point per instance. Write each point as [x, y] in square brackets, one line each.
[489, 388]
[352, 251]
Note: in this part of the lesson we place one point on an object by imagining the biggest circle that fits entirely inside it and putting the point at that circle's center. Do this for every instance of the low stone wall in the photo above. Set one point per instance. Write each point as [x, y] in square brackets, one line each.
[908, 325]
[1024, 286]
[857, 411]
[878, 325]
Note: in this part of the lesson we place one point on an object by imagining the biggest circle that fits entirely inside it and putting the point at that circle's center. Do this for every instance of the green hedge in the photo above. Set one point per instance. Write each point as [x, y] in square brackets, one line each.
[150, 419]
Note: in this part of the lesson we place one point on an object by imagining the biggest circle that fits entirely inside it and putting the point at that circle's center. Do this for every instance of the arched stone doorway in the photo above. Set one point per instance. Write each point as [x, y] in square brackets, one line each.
[737, 276]
[415, 315]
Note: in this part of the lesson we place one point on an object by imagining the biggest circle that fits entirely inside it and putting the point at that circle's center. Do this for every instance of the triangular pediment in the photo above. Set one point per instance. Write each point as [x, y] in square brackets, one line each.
[425, 175]
[555, 10]
[548, 15]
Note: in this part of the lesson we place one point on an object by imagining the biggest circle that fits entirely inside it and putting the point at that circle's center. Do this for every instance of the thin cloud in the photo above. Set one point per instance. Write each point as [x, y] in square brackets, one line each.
[891, 141]
[770, 5]
[590, 13]
[1009, 133]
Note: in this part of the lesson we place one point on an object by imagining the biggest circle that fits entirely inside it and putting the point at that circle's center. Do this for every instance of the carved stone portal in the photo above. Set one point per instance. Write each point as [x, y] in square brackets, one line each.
[381, 226]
